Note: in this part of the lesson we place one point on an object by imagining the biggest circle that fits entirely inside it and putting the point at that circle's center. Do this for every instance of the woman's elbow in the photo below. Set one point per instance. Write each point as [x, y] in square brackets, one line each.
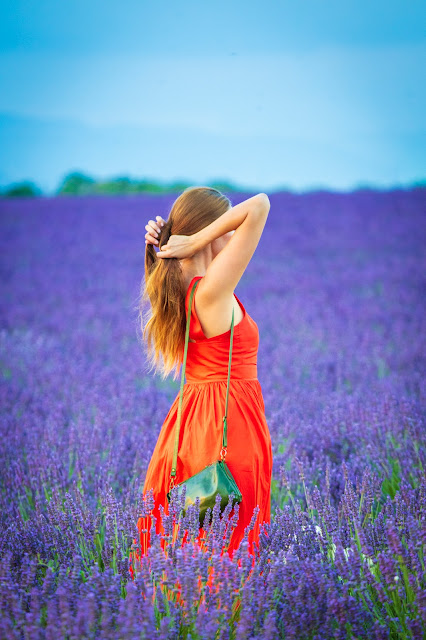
[264, 203]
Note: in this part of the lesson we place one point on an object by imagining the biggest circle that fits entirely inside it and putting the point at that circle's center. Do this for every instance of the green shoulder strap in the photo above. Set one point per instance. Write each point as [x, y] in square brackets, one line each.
[225, 424]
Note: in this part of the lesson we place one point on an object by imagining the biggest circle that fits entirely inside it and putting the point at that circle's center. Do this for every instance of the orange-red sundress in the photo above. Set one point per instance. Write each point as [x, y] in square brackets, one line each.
[249, 454]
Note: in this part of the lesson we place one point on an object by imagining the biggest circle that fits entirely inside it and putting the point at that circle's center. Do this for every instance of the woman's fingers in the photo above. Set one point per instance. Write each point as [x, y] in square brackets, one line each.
[165, 252]
[149, 238]
[177, 246]
[155, 225]
[153, 229]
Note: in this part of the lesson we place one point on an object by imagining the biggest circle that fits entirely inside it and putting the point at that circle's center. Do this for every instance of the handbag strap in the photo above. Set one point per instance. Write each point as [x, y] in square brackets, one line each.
[225, 423]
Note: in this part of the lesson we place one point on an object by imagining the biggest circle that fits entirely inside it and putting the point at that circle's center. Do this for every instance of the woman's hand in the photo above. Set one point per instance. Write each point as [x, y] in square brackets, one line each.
[178, 246]
[153, 230]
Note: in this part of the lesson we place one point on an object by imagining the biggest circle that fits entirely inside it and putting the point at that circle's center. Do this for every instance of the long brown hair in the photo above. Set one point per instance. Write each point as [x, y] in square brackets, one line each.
[163, 285]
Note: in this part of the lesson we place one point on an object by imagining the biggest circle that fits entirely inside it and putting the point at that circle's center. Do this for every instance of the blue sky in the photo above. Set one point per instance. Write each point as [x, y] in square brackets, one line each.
[293, 94]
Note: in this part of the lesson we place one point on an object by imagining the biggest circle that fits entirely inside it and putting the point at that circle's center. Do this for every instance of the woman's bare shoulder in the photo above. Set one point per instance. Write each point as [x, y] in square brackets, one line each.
[215, 315]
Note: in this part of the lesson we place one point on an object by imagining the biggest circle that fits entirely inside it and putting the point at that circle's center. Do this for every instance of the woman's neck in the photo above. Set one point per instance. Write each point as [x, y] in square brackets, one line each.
[195, 266]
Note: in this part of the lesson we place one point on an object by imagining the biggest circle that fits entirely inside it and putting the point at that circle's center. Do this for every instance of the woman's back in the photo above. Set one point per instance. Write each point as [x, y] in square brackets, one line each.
[207, 358]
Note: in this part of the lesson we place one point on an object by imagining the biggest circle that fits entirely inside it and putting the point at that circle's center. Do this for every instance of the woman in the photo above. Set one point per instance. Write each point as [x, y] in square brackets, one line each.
[207, 239]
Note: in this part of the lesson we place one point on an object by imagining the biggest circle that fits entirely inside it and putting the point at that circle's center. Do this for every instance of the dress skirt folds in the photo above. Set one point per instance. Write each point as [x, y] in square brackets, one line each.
[249, 455]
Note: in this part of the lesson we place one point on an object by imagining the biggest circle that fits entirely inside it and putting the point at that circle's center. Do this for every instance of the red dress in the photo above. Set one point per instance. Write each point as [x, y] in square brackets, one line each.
[249, 455]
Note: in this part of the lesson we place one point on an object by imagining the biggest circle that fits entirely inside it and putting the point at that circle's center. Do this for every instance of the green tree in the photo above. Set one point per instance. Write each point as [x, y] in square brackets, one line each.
[25, 189]
[76, 183]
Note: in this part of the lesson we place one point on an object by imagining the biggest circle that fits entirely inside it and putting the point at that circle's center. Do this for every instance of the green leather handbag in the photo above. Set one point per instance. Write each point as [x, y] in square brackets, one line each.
[216, 477]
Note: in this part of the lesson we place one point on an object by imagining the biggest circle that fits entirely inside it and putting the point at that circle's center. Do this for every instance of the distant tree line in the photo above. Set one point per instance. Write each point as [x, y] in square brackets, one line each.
[79, 184]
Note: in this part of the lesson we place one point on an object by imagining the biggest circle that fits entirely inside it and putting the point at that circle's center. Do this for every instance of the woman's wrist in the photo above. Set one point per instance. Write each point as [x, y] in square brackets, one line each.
[200, 239]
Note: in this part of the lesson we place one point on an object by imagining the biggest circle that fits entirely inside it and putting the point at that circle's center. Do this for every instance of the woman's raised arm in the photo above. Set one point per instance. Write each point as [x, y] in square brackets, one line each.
[224, 272]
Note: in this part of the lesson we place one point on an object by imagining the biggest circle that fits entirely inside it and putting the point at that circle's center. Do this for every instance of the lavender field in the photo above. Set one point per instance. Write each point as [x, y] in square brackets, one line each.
[337, 288]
